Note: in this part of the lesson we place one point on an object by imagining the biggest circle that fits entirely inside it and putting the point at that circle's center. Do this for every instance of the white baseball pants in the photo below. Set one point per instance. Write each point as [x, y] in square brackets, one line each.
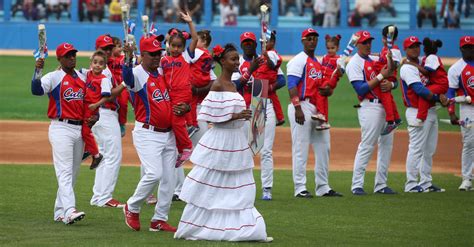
[66, 142]
[108, 137]
[266, 153]
[421, 148]
[467, 111]
[157, 153]
[301, 137]
[372, 121]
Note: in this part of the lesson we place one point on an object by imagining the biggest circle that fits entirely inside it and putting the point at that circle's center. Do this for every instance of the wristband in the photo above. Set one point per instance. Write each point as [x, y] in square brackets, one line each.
[435, 97]
[246, 76]
[393, 85]
[123, 84]
[379, 77]
[295, 101]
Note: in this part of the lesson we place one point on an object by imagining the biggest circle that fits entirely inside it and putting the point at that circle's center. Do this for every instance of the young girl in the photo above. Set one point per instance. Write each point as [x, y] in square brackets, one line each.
[98, 89]
[329, 64]
[217, 209]
[437, 79]
[201, 77]
[115, 64]
[176, 72]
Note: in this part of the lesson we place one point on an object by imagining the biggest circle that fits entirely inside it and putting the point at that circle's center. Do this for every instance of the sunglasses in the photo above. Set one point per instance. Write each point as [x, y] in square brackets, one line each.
[154, 54]
[369, 41]
[311, 38]
[247, 42]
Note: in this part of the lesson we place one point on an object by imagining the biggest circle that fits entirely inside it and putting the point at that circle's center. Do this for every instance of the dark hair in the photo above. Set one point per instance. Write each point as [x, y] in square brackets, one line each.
[431, 46]
[116, 40]
[206, 36]
[273, 36]
[385, 31]
[222, 51]
[176, 33]
[334, 39]
[100, 54]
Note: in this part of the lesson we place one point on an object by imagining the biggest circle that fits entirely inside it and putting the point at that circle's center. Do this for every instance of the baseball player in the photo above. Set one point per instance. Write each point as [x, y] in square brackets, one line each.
[65, 88]
[423, 139]
[305, 76]
[369, 86]
[108, 134]
[253, 67]
[461, 76]
[152, 136]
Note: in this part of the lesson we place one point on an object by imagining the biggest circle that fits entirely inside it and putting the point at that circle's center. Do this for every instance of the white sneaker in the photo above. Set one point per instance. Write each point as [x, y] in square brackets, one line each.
[466, 185]
[417, 123]
[151, 200]
[323, 126]
[318, 117]
[267, 240]
[74, 217]
[267, 194]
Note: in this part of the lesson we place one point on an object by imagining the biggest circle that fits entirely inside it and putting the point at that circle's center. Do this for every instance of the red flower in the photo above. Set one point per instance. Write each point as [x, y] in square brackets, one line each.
[217, 50]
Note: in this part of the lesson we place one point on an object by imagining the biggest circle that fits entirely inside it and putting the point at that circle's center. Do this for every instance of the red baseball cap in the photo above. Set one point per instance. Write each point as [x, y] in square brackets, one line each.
[248, 35]
[410, 41]
[103, 41]
[466, 40]
[363, 36]
[150, 44]
[309, 31]
[63, 49]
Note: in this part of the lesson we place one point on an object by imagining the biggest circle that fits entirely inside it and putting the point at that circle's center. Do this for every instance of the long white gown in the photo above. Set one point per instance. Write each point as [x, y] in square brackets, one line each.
[220, 189]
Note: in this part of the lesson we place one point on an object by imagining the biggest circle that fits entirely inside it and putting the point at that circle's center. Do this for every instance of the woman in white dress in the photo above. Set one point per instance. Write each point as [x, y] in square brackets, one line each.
[220, 189]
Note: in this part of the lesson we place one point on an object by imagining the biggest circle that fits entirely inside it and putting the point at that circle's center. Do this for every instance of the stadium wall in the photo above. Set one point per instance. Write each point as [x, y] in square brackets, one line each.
[83, 35]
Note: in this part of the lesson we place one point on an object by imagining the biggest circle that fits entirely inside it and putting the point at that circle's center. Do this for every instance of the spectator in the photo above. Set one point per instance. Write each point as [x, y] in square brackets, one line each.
[95, 10]
[80, 9]
[387, 4]
[451, 16]
[64, 6]
[331, 12]
[18, 6]
[115, 11]
[228, 13]
[193, 7]
[157, 8]
[307, 4]
[52, 7]
[427, 10]
[319, 8]
[467, 8]
[365, 9]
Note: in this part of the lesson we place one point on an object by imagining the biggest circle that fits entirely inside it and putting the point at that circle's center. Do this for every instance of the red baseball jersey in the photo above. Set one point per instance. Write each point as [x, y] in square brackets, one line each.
[66, 94]
[437, 73]
[115, 66]
[201, 71]
[151, 99]
[363, 69]
[266, 72]
[244, 67]
[461, 76]
[382, 60]
[177, 70]
[97, 86]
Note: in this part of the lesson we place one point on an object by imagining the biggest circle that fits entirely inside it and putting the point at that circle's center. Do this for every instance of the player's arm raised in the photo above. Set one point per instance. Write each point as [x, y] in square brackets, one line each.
[36, 87]
[194, 37]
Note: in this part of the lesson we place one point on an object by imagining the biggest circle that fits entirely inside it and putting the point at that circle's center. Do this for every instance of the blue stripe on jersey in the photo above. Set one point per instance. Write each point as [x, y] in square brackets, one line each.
[132, 97]
[461, 85]
[144, 96]
[56, 94]
[405, 93]
[303, 88]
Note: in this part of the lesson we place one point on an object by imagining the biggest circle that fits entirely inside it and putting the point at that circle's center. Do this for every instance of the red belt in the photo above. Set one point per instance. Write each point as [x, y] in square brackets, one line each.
[156, 129]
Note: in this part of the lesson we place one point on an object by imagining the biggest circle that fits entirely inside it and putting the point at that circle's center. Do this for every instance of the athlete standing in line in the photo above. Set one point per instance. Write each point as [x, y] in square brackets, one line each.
[305, 80]
[369, 86]
[461, 76]
[65, 88]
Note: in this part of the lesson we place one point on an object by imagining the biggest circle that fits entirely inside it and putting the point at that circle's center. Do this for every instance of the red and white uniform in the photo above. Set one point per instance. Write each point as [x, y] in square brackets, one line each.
[153, 140]
[66, 95]
[371, 116]
[329, 64]
[437, 82]
[176, 72]
[247, 87]
[422, 140]
[391, 111]
[461, 76]
[115, 66]
[96, 88]
[309, 73]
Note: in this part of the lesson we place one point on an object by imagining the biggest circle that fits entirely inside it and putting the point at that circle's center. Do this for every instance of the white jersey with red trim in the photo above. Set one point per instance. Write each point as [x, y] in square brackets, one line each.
[409, 74]
[309, 70]
[363, 69]
[461, 75]
[66, 94]
[151, 102]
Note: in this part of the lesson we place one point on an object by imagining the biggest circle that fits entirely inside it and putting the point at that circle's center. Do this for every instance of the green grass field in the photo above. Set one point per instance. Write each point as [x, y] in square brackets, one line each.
[18, 103]
[427, 219]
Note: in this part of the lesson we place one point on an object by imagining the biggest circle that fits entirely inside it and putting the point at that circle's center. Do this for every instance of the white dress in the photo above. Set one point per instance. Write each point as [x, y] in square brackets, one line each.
[220, 189]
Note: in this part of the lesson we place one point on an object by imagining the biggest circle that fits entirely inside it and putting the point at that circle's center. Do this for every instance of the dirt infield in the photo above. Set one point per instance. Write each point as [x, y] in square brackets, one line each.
[27, 143]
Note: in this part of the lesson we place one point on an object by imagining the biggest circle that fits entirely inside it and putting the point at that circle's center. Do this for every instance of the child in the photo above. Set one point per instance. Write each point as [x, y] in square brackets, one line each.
[330, 69]
[176, 71]
[115, 64]
[201, 77]
[98, 90]
[393, 59]
[433, 69]
[272, 55]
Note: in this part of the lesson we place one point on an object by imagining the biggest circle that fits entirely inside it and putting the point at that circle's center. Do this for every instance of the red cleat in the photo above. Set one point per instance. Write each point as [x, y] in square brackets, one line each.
[131, 219]
[112, 203]
[156, 226]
